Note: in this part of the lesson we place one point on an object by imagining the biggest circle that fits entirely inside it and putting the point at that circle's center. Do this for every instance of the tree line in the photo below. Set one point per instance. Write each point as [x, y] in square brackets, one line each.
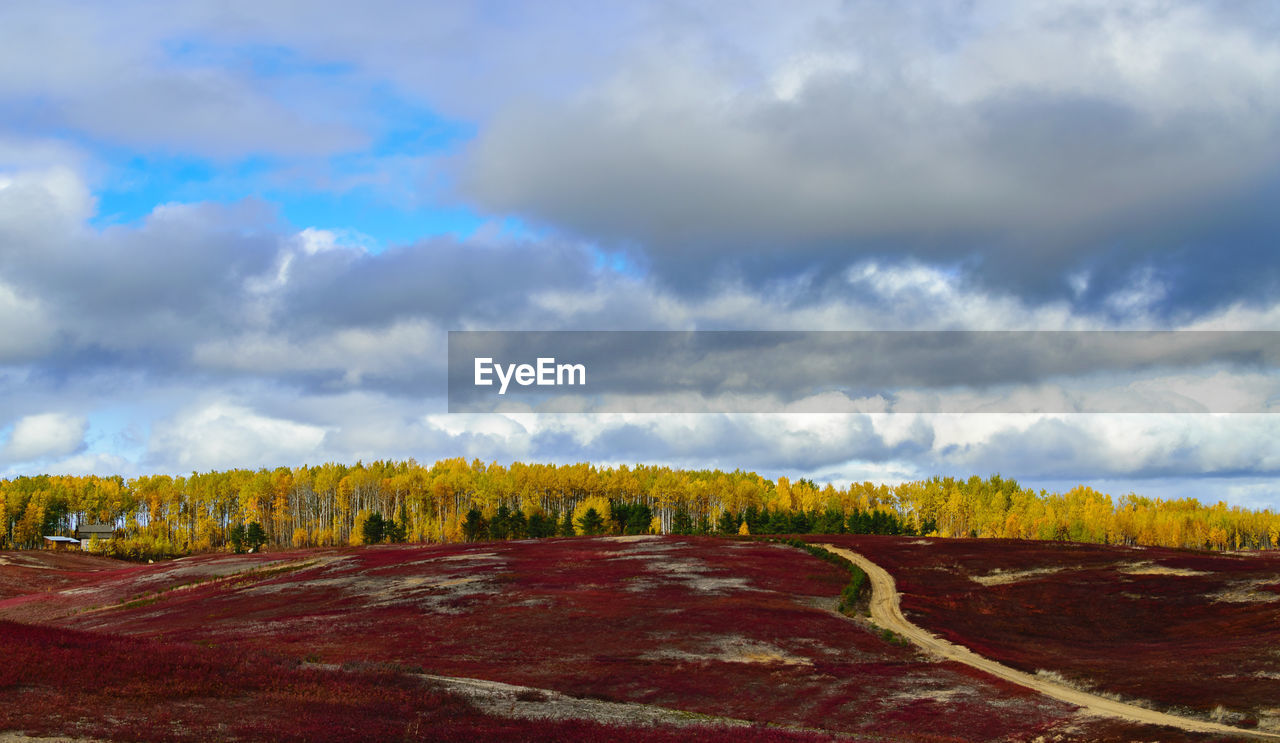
[456, 500]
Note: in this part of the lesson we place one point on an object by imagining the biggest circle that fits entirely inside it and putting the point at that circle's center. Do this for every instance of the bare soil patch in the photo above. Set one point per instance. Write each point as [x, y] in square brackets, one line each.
[735, 649]
[21, 738]
[1150, 568]
[1001, 577]
[1247, 592]
[512, 700]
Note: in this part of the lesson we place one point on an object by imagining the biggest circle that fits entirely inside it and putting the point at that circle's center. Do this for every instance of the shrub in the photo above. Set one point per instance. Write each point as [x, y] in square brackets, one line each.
[140, 548]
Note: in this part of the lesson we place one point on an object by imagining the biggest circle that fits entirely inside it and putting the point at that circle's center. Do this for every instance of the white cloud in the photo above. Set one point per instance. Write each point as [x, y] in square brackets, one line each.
[1150, 52]
[223, 434]
[404, 349]
[313, 240]
[91, 463]
[129, 75]
[42, 199]
[45, 435]
[791, 77]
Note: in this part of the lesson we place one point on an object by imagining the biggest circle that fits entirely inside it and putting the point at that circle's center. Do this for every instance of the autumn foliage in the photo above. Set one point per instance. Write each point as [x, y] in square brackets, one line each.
[453, 500]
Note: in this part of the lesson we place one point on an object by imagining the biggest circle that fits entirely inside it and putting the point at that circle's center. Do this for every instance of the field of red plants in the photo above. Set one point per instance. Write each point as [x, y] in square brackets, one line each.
[68, 683]
[290, 645]
[25, 573]
[1187, 632]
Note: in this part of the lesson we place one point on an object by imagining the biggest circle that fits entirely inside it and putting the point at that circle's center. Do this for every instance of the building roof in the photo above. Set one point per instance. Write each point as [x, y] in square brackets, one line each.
[62, 539]
[102, 531]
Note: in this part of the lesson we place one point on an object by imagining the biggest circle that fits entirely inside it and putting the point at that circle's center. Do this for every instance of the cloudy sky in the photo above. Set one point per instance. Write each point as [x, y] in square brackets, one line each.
[236, 234]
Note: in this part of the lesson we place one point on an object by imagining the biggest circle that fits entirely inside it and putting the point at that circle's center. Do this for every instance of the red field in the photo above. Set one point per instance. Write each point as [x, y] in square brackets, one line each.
[23, 573]
[1186, 632]
[740, 630]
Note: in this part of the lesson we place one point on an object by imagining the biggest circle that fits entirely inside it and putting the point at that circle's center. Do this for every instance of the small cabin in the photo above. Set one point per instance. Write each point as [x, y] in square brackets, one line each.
[86, 533]
[60, 543]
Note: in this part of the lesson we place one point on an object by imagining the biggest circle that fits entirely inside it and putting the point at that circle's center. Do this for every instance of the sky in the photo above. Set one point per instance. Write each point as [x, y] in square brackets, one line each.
[236, 234]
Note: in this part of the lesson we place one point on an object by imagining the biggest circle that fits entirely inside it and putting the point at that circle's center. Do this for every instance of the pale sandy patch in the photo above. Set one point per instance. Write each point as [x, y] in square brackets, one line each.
[22, 562]
[693, 574]
[468, 556]
[735, 649]
[1269, 719]
[20, 738]
[1150, 568]
[1000, 577]
[1246, 592]
[937, 695]
[509, 700]
[455, 582]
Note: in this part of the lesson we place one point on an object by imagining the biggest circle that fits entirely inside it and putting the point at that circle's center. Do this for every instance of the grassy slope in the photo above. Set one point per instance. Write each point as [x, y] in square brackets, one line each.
[734, 629]
[1186, 631]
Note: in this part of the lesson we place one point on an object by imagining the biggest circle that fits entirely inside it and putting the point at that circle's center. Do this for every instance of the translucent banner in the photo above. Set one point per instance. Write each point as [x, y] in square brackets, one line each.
[864, 371]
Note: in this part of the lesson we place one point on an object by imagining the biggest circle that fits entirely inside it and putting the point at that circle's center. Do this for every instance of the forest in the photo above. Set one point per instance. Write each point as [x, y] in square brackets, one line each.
[455, 500]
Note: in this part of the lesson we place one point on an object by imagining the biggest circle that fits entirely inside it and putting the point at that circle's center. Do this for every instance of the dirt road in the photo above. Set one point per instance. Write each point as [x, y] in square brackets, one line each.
[886, 611]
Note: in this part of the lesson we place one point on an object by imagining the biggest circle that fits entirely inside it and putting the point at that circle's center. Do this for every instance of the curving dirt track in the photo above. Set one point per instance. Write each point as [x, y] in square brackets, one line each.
[886, 611]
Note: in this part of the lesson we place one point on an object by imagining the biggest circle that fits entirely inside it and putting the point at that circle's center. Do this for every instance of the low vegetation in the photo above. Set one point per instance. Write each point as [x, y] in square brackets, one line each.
[63, 682]
[1192, 633]
[855, 595]
[712, 628]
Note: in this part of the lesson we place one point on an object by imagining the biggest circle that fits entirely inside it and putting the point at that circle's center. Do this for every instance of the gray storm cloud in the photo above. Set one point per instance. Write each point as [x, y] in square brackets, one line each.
[1035, 141]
